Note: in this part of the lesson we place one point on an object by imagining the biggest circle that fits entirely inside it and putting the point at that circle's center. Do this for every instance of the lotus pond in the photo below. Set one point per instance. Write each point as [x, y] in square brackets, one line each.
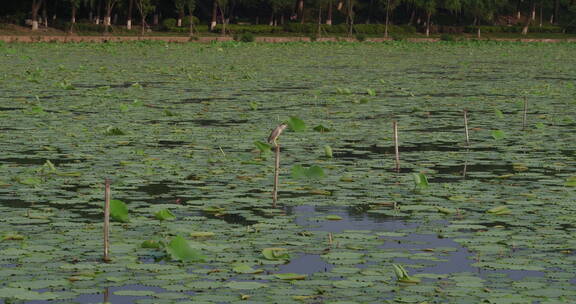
[180, 131]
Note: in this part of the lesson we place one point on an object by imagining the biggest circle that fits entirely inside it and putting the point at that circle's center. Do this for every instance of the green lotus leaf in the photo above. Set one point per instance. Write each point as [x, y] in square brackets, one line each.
[420, 181]
[328, 152]
[244, 268]
[296, 124]
[151, 244]
[263, 147]
[497, 134]
[202, 234]
[164, 215]
[276, 254]
[333, 217]
[446, 210]
[290, 276]
[178, 249]
[135, 293]
[245, 285]
[500, 210]
[321, 129]
[570, 182]
[119, 211]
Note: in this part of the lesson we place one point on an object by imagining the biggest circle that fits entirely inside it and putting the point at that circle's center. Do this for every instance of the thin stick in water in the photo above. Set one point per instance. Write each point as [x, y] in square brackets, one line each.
[525, 117]
[272, 139]
[106, 295]
[276, 175]
[396, 150]
[106, 220]
[466, 127]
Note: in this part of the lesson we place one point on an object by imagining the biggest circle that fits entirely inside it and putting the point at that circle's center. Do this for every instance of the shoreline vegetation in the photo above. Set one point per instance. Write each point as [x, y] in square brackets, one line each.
[289, 20]
[210, 39]
[52, 35]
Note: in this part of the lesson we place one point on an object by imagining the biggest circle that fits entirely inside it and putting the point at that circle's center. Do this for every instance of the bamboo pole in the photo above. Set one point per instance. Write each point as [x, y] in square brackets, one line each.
[396, 149]
[525, 117]
[107, 221]
[272, 140]
[106, 295]
[466, 127]
[276, 175]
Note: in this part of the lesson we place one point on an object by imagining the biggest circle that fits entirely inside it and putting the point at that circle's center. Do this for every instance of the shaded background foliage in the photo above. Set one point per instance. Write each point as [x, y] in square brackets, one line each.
[441, 15]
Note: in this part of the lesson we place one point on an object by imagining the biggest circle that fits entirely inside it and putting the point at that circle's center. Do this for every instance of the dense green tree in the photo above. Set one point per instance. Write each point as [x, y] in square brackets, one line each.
[525, 13]
[482, 10]
[278, 9]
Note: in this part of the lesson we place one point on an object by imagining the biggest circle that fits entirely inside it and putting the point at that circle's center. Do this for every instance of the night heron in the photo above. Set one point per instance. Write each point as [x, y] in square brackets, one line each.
[276, 133]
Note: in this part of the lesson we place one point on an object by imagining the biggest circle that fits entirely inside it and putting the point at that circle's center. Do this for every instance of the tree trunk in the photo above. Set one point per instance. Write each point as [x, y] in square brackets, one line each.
[556, 11]
[301, 10]
[271, 23]
[369, 19]
[191, 24]
[525, 28]
[478, 33]
[224, 19]
[73, 19]
[412, 16]
[350, 17]
[45, 13]
[428, 23]
[180, 17]
[319, 21]
[387, 18]
[129, 21]
[98, 10]
[108, 16]
[541, 14]
[35, 8]
[329, 16]
[533, 15]
[214, 15]
[143, 24]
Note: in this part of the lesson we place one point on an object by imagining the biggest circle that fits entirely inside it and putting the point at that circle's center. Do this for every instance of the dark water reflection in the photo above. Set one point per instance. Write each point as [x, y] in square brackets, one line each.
[455, 260]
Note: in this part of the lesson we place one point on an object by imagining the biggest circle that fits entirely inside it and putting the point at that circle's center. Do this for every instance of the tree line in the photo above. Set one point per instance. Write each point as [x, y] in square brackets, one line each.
[423, 14]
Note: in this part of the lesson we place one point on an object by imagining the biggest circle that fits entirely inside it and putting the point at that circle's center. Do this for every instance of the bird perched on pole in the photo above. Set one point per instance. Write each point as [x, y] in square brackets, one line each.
[276, 133]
